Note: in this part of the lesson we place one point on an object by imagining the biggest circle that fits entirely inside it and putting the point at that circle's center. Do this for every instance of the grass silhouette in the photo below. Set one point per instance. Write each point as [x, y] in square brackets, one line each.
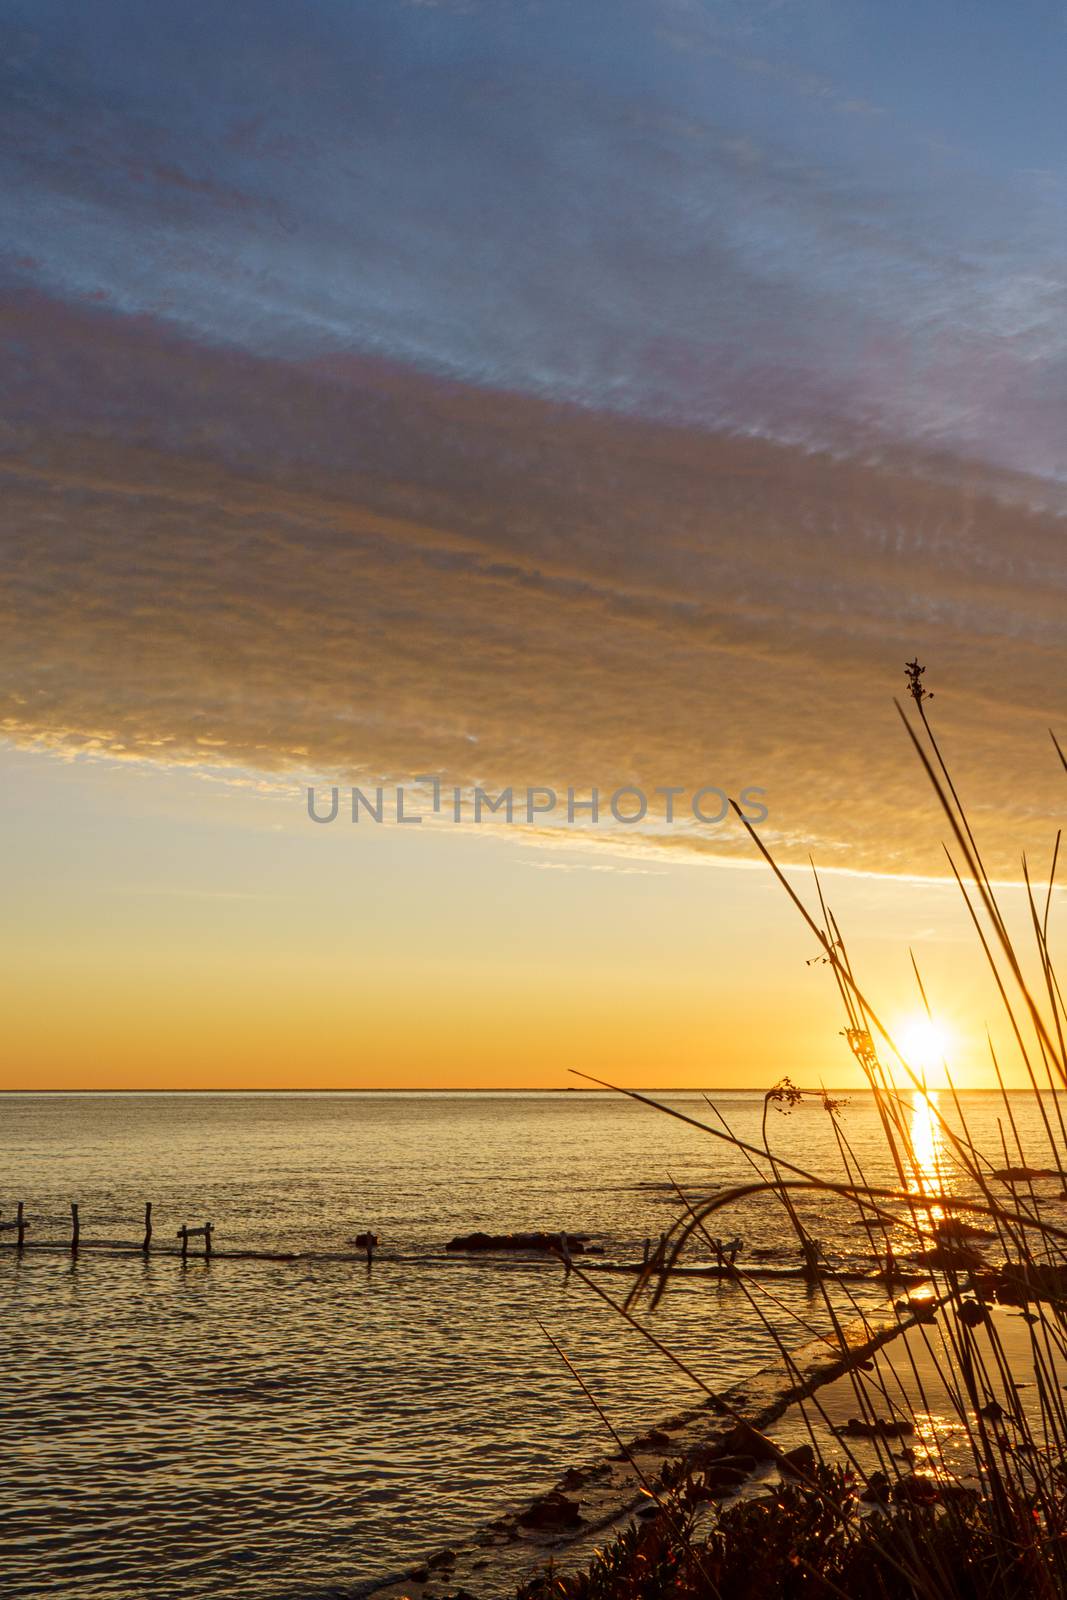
[991, 1522]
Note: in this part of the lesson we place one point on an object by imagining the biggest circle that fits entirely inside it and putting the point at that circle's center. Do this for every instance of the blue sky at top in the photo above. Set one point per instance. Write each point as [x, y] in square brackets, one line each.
[643, 207]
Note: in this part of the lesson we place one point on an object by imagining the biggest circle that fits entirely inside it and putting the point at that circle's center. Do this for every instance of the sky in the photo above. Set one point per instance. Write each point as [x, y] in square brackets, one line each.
[525, 394]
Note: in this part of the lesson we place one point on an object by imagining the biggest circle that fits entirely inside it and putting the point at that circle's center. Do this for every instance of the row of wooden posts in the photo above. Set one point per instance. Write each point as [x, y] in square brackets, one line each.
[184, 1233]
[367, 1242]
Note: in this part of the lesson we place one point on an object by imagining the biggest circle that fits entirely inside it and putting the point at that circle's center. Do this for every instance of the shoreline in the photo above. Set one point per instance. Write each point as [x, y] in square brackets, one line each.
[503, 1553]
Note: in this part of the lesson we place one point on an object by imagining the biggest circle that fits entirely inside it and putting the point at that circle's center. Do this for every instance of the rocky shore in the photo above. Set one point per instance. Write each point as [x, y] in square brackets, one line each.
[591, 1503]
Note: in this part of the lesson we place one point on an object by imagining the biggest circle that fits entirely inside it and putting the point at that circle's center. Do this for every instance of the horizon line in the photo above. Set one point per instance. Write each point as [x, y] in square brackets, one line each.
[676, 1088]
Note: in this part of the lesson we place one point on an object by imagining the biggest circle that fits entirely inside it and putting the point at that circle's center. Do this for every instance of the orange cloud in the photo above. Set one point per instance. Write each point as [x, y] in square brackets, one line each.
[345, 571]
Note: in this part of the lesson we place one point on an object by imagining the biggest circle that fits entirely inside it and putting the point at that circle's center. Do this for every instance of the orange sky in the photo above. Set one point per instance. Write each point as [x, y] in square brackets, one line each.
[172, 932]
[576, 416]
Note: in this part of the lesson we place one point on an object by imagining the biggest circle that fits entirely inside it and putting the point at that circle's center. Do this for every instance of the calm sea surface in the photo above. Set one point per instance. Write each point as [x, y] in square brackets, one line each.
[290, 1429]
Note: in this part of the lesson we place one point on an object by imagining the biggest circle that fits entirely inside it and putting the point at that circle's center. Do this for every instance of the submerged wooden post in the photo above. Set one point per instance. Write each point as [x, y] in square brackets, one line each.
[810, 1250]
[20, 1226]
[185, 1233]
[147, 1226]
[16, 1226]
[75, 1229]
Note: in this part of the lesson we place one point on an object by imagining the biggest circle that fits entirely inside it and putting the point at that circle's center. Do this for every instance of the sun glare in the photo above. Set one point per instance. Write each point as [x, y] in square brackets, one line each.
[924, 1045]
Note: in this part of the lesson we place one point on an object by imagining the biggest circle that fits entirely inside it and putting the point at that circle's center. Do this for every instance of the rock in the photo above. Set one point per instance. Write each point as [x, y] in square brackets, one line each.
[877, 1490]
[545, 1243]
[443, 1558]
[721, 1491]
[708, 1457]
[1024, 1174]
[916, 1490]
[553, 1510]
[419, 1574]
[957, 1228]
[951, 1258]
[921, 1310]
[1018, 1285]
[798, 1463]
[747, 1441]
[723, 1475]
[717, 1476]
[971, 1313]
[654, 1439]
[880, 1428]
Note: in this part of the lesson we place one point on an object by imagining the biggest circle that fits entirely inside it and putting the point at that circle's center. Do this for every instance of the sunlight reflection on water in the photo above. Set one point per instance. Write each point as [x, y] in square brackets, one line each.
[929, 1174]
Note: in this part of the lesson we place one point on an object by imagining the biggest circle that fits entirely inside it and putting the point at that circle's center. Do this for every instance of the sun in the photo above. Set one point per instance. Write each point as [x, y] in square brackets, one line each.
[924, 1044]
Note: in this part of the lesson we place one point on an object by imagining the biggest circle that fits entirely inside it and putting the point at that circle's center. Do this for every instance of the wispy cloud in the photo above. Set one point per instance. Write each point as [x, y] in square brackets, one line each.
[516, 593]
[440, 390]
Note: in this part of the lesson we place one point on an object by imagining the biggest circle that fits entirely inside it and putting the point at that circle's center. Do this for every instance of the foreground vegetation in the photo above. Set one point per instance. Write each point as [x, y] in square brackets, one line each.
[922, 1528]
[808, 1542]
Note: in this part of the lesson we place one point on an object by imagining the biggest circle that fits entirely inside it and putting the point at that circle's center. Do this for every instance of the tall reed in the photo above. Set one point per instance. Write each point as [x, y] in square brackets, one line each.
[992, 1520]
